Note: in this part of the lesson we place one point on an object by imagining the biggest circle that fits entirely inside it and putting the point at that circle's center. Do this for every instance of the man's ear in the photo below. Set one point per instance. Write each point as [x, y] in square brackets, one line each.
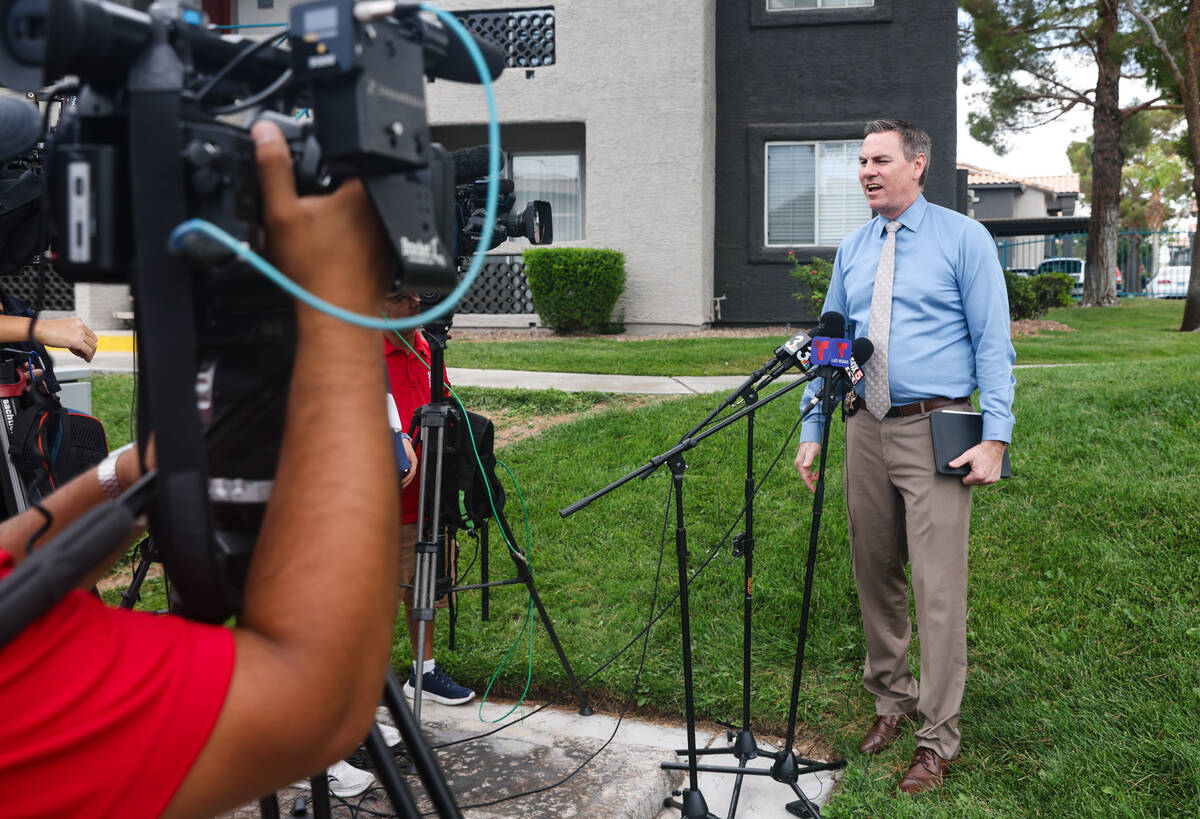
[919, 162]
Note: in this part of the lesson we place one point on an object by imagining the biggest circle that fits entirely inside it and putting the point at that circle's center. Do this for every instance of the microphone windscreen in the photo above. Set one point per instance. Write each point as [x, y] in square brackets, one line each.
[470, 164]
[862, 349]
[833, 325]
[20, 127]
[458, 66]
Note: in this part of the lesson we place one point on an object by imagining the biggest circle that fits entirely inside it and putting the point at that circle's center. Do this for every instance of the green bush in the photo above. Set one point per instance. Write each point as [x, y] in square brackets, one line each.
[575, 288]
[1030, 297]
[813, 277]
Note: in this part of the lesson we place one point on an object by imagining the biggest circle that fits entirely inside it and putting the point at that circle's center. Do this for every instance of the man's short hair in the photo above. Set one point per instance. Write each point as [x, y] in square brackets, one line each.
[914, 140]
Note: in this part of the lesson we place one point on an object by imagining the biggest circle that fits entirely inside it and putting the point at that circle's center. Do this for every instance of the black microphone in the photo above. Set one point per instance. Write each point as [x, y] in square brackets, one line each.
[457, 64]
[20, 127]
[471, 164]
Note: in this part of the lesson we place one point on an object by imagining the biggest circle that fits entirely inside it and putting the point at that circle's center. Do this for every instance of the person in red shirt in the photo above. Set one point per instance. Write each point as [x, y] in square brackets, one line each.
[408, 368]
[117, 713]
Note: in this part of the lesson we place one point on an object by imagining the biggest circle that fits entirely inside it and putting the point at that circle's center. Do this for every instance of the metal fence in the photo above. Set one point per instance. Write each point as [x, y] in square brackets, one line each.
[1149, 263]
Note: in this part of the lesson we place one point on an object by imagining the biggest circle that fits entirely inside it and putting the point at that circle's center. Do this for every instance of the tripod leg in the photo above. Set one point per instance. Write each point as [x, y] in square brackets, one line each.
[526, 577]
[268, 807]
[132, 594]
[418, 751]
[389, 775]
[321, 809]
[485, 608]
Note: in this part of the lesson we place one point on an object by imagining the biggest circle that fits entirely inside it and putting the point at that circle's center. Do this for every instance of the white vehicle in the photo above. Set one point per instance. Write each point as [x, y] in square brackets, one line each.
[1171, 280]
[1072, 265]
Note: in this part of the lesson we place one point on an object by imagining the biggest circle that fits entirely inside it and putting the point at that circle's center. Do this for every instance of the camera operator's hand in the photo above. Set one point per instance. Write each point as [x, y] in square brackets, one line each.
[332, 246]
[70, 333]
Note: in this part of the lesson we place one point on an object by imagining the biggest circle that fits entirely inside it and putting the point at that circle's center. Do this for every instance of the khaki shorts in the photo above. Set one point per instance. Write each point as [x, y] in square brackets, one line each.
[408, 564]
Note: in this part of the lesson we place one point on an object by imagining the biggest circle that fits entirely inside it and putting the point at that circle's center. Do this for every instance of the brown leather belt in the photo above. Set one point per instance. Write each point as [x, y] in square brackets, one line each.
[917, 407]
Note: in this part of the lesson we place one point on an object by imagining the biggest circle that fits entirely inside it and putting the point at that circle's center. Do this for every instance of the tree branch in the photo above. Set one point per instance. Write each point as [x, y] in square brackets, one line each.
[1158, 42]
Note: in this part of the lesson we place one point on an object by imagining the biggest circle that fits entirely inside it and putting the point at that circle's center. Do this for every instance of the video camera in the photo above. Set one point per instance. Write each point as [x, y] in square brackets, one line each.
[145, 142]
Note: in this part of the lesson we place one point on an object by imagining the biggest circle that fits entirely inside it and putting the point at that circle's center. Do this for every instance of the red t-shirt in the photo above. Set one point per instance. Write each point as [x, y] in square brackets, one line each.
[103, 710]
[408, 377]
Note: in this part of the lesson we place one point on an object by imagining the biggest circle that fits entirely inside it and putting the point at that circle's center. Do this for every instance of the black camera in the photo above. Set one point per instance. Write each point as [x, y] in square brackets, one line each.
[145, 142]
[532, 223]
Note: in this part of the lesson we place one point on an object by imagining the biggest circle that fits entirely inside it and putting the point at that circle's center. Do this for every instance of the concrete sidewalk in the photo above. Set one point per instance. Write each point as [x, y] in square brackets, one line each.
[623, 780]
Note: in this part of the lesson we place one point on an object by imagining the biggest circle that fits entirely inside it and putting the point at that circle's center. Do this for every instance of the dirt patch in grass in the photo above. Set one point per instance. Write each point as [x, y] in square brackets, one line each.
[516, 426]
[1031, 327]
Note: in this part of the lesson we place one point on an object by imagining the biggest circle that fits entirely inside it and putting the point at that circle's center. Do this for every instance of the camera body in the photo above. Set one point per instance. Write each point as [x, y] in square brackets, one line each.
[144, 142]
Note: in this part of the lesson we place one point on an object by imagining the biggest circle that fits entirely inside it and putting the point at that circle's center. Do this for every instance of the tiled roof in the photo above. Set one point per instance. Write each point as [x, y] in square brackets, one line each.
[1063, 183]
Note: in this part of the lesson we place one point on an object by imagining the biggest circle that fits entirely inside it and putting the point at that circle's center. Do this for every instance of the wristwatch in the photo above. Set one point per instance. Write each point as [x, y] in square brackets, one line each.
[107, 472]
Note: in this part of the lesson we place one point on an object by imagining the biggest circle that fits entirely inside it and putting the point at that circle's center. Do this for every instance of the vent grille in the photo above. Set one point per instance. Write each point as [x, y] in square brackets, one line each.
[58, 295]
[500, 289]
[526, 35]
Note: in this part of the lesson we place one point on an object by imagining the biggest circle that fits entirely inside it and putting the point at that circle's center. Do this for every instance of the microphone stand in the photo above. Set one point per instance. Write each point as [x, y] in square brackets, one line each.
[691, 804]
[787, 767]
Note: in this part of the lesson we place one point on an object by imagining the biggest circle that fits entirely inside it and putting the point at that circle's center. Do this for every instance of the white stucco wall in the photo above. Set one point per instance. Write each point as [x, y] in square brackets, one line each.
[640, 77]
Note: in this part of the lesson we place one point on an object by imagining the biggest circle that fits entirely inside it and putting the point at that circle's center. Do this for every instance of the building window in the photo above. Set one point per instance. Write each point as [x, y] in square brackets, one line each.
[813, 196]
[558, 179]
[790, 5]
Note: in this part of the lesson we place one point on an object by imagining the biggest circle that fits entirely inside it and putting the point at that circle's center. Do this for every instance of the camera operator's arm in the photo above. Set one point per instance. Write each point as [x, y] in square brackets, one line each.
[316, 631]
[70, 333]
[64, 505]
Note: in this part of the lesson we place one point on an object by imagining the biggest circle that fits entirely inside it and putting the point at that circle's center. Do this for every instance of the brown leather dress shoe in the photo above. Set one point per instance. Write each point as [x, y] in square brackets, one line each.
[926, 773]
[884, 732]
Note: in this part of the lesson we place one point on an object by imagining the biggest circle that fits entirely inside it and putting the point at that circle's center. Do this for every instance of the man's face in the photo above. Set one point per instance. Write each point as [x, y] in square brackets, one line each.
[402, 305]
[887, 178]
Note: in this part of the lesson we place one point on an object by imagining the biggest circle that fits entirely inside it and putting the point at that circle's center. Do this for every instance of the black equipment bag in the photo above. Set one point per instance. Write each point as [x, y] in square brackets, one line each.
[465, 482]
[51, 444]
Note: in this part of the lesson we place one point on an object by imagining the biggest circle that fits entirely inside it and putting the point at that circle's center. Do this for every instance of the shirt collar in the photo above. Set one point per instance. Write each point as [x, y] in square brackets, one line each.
[911, 218]
[391, 345]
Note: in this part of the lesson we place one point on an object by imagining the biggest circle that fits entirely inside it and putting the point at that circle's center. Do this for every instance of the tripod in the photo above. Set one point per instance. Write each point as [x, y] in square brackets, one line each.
[692, 803]
[787, 768]
[435, 420]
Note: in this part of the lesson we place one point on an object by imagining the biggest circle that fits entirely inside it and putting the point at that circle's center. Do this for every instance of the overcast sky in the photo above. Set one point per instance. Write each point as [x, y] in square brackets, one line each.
[1042, 151]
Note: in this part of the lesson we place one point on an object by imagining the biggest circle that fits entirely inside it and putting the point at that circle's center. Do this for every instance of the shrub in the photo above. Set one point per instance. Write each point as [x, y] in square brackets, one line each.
[814, 281]
[575, 288]
[1029, 297]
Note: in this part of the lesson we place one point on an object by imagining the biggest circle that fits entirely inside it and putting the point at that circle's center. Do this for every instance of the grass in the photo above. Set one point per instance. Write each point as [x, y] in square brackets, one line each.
[1084, 627]
[1137, 330]
[1084, 622]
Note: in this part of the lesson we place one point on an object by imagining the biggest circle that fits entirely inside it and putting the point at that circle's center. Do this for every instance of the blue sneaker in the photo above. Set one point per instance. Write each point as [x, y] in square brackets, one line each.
[437, 686]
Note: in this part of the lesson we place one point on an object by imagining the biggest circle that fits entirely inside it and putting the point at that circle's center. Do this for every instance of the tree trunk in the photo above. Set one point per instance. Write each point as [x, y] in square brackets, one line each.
[1191, 106]
[1100, 280]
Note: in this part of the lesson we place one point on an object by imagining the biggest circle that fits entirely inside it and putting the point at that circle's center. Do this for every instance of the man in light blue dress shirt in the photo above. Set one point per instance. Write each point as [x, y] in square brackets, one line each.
[949, 336]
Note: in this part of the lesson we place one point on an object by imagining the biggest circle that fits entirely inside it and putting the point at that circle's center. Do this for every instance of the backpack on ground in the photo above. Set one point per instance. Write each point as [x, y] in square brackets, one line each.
[51, 444]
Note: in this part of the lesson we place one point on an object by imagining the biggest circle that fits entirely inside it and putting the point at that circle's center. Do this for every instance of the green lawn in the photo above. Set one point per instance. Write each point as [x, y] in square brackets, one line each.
[1138, 330]
[1084, 627]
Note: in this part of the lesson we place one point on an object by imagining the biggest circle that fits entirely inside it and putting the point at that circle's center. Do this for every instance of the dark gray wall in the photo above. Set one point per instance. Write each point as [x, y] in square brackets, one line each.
[818, 74]
[995, 202]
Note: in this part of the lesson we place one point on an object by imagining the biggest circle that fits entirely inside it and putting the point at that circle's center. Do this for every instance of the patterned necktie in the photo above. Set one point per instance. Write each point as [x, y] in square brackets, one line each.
[878, 391]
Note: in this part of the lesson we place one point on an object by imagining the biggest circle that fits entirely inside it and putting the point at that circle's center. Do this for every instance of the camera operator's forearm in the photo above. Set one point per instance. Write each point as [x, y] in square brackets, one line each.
[65, 505]
[331, 528]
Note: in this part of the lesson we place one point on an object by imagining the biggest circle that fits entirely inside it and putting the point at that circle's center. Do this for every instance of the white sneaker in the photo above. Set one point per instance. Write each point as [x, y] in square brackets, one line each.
[391, 737]
[344, 780]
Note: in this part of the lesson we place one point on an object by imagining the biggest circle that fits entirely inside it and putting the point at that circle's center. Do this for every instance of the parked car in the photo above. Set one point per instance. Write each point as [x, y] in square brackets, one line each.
[1023, 272]
[1072, 265]
[1171, 281]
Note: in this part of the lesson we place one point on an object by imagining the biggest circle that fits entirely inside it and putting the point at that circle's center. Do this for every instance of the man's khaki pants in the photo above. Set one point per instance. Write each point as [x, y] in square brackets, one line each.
[901, 510]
